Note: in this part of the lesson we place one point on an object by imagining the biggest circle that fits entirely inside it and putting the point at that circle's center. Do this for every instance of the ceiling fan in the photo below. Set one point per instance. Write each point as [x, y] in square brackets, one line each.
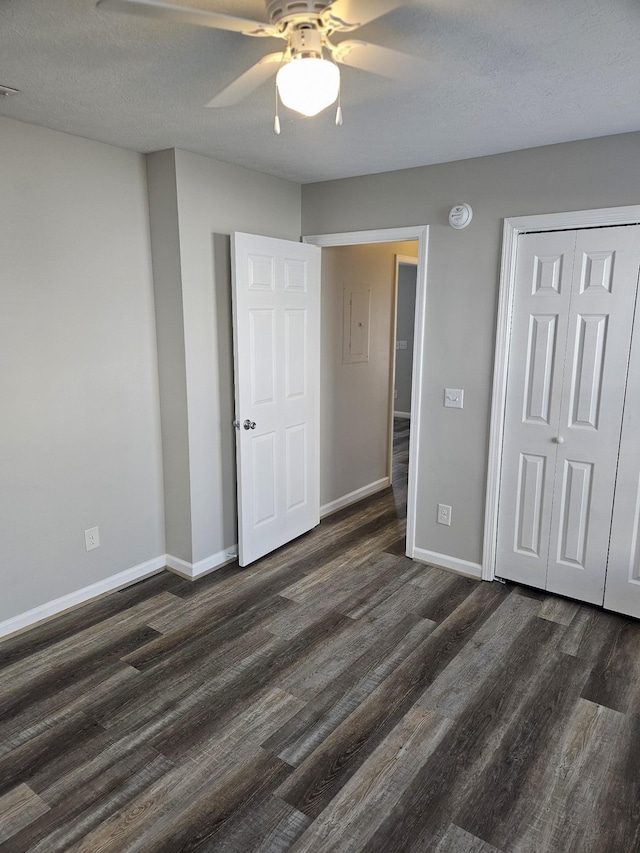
[306, 81]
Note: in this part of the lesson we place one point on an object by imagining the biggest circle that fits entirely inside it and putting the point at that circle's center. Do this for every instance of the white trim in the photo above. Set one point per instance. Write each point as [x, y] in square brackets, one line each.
[599, 218]
[74, 599]
[406, 415]
[353, 497]
[444, 561]
[375, 235]
[513, 227]
[190, 571]
[392, 235]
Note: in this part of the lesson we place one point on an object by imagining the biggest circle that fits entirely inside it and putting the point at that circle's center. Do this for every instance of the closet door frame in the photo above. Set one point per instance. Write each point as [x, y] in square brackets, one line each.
[513, 228]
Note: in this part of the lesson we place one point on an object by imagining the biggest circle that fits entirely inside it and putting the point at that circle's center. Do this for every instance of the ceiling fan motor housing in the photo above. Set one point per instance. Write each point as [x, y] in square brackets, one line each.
[283, 11]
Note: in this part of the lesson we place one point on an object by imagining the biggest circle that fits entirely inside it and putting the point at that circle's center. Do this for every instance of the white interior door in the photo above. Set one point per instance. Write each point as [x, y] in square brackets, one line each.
[622, 590]
[544, 268]
[572, 319]
[276, 326]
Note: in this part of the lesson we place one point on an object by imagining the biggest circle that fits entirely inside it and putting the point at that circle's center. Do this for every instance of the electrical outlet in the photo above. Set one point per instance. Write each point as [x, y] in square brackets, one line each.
[395, 395]
[444, 514]
[92, 538]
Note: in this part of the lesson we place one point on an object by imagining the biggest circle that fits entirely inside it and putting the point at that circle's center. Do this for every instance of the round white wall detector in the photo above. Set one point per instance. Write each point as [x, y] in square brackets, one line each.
[460, 216]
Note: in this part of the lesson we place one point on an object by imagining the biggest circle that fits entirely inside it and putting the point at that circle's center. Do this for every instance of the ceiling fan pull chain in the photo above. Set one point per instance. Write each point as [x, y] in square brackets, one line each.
[339, 110]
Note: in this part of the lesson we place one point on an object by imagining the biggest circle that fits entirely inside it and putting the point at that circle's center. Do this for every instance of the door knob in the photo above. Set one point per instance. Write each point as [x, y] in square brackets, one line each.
[559, 439]
[249, 424]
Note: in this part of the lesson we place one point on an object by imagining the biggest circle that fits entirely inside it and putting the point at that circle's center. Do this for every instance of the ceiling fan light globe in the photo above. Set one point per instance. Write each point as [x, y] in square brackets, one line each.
[308, 85]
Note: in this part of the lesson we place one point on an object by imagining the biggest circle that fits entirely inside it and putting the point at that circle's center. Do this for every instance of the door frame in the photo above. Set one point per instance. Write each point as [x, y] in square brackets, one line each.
[398, 235]
[513, 228]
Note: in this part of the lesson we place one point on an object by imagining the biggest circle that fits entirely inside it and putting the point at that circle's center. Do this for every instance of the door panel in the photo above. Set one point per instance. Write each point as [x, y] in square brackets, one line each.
[276, 323]
[622, 592]
[531, 486]
[538, 381]
[597, 355]
[544, 269]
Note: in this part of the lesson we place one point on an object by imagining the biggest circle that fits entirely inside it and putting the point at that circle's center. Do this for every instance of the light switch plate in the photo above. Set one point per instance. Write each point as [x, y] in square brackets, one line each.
[453, 398]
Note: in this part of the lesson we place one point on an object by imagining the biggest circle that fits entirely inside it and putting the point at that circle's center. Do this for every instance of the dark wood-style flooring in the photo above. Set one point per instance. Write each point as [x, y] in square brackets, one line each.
[335, 696]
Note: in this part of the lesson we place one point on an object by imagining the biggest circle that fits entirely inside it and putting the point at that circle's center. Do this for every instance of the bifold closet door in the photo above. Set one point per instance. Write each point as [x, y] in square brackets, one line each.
[544, 267]
[622, 590]
[571, 333]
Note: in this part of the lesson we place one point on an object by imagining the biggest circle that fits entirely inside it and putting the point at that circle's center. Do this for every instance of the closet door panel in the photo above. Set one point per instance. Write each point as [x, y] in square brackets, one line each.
[544, 272]
[622, 591]
[603, 292]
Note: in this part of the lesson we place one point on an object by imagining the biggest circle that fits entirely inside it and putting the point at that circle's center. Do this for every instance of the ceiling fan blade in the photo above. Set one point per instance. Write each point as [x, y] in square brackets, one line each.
[186, 15]
[248, 82]
[380, 60]
[350, 14]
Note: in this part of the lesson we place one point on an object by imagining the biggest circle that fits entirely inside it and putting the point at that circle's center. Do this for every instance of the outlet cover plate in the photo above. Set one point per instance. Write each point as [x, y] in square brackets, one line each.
[444, 514]
[92, 538]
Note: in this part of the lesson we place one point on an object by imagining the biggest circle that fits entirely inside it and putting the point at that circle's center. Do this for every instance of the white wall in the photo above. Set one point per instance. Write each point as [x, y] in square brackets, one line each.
[462, 290]
[213, 199]
[355, 398]
[79, 419]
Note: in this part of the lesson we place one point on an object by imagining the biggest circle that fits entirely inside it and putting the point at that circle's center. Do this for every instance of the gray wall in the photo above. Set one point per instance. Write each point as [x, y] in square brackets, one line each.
[405, 321]
[355, 398]
[79, 422]
[209, 202]
[462, 290]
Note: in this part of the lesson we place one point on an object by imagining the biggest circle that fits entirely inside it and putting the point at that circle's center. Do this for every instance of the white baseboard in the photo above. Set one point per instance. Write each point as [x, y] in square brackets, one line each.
[81, 596]
[352, 497]
[202, 567]
[444, 561]
[406, 415]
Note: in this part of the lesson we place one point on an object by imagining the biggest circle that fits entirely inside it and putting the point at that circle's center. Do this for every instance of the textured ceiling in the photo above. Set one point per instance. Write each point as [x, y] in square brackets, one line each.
[499, 75]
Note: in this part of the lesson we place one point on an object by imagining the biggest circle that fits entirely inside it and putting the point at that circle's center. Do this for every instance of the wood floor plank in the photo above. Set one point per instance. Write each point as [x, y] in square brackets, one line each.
[616, 673]
[177, 648]
[82, 800]
[524, 746]
[459, 683]
[456, 840]
[298, 738]
[186, 806]
[86, 645]
[355, 813]
[38, 755]
[27, 720]
[262, 718]
[558, 609]
[616, 823]
[199, 721]
[19, 807]
[447, 781]
[20, 695]
[391, 575]
[566, 783]
[357, 552]
[163, 688]
[313, 784]
[265, 825]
